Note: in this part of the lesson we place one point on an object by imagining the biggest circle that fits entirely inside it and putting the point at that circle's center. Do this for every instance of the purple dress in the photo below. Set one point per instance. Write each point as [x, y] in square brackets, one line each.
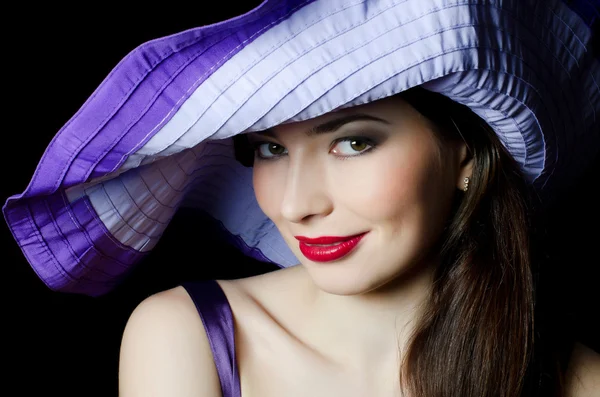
[215, 312]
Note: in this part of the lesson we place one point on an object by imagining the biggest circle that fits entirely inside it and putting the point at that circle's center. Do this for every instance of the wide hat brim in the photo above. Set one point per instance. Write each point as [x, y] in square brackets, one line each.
[156, 134]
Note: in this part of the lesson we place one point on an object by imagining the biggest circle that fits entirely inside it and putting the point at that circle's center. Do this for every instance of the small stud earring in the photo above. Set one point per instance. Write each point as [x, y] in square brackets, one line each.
[466, 180]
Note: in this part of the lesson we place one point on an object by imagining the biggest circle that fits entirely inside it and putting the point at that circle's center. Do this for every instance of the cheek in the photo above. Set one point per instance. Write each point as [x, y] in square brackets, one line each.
[385, 186]
[268, 185]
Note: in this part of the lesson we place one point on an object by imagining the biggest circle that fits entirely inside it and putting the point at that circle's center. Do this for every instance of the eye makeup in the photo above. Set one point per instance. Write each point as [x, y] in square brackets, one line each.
[270, 150]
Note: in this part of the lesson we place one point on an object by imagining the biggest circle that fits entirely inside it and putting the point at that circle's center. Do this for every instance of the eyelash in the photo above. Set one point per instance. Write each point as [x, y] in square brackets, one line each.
[368, 141]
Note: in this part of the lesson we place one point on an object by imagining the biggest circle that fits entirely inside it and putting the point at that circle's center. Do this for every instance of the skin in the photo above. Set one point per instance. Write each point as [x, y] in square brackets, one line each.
[324, 329]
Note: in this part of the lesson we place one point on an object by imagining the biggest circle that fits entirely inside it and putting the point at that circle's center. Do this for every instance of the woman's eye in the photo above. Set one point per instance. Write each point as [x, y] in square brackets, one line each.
[351, 147]
[345, 147]
[266, 150]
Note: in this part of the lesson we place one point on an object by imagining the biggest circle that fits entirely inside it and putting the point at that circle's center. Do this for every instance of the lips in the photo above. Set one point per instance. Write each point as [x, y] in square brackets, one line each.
[336, 248]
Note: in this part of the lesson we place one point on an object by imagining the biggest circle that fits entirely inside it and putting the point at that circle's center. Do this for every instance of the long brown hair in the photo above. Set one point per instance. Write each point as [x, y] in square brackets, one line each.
[476, 338]
[477, 335]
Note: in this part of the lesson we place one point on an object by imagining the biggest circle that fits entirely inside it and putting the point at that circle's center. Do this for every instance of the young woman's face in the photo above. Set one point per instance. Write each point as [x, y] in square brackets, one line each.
[376, 170]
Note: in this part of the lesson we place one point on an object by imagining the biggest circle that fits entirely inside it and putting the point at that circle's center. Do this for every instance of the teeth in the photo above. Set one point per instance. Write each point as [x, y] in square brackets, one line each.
[322, 245]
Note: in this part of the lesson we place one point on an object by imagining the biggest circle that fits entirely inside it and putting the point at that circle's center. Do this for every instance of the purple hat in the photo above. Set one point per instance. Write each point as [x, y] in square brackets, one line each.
[155, 136]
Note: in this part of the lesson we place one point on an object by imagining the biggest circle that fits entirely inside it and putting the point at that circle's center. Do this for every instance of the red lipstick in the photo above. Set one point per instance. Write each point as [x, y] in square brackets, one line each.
[338, 247]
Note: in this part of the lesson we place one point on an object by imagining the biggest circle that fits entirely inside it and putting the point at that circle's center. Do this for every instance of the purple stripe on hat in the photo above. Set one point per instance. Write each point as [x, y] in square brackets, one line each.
[156, 97]
[180, 80]
[29, 238]
[120, 86]
[47, 225]
[154, 101]
[58, 239]
[147, 96]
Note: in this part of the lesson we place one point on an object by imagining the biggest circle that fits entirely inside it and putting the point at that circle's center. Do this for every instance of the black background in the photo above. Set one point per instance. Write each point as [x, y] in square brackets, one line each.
[68, 345]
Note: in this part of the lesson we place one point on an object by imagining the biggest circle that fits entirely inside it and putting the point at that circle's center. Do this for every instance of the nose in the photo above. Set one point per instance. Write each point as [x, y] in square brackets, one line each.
[306, 193]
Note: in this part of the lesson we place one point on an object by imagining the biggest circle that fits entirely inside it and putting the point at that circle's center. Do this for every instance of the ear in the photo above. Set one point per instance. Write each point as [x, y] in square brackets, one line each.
[465, 166]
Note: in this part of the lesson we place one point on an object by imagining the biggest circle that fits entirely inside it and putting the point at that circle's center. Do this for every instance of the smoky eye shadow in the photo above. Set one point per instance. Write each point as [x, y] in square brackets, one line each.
[376, 136]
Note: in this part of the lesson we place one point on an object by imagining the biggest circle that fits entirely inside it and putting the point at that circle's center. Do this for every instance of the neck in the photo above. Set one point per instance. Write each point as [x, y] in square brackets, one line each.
[371, 329]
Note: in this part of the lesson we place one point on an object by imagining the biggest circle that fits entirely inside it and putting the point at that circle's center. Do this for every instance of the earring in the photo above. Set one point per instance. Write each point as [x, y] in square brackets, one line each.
[466, 180]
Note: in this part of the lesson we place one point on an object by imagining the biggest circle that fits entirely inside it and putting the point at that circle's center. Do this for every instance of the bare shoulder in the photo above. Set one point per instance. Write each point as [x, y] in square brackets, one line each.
[268, 287]
[583, 374]
[165, 350]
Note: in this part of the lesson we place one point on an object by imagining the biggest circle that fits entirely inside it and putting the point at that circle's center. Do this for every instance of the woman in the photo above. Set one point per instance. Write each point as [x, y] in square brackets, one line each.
[431, 241]
[393, 144]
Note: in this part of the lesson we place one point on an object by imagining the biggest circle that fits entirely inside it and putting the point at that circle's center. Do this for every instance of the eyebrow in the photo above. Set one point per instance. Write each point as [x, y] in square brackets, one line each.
[332, 125]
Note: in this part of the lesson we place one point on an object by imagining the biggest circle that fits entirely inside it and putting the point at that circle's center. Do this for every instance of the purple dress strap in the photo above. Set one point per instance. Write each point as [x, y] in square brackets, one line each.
[215, 312]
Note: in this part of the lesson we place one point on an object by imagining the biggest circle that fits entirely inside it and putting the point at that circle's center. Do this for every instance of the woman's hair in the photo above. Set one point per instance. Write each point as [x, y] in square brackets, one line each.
[477, 336]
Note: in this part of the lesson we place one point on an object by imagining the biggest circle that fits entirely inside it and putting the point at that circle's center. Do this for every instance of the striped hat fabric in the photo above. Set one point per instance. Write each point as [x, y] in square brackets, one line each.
[156, 135]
